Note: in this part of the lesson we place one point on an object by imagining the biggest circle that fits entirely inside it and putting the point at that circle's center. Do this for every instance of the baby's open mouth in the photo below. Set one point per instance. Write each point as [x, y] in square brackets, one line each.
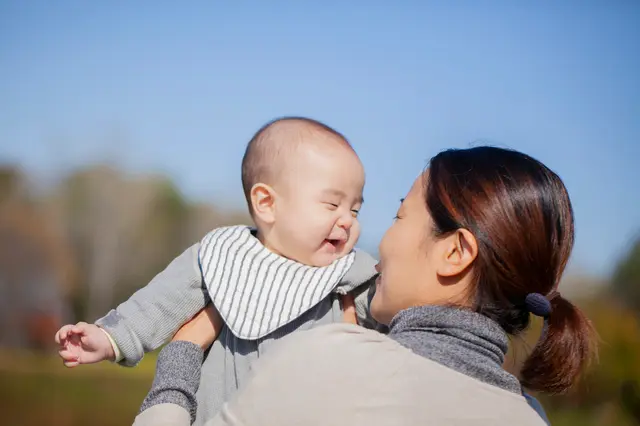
[334, 242]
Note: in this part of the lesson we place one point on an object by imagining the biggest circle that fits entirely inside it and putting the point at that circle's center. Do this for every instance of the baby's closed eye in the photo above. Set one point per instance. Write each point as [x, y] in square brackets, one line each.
[332, 206]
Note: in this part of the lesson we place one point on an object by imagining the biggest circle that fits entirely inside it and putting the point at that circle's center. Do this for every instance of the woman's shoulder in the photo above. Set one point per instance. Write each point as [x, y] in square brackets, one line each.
[364, 374]
[343, 352]
[336, 366]
[340, 339]
[373, 362]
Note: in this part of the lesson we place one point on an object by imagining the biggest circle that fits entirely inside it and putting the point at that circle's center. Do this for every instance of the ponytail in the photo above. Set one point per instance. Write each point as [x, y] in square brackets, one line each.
[521, 216]
[566, 347]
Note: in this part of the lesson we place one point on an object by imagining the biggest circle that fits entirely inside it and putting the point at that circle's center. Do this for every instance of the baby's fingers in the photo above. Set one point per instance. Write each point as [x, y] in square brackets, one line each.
[62, 334]
[67, 355]
[71, 364]
[79, 328]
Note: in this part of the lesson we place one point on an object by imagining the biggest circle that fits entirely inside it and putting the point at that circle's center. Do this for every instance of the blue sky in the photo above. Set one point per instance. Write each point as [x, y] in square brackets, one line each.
[179, 88]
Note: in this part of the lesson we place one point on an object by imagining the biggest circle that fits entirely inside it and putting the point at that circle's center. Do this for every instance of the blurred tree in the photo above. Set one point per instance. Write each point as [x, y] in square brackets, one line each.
[121, 229]
[170, 225]
[36, 270]
[89, 210]
[626, 278]
[626, 288]
[12, 184]
[124, 230]
[158, 233]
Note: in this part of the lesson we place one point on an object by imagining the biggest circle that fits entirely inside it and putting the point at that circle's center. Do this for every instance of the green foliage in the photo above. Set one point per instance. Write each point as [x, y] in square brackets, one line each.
[626, 278]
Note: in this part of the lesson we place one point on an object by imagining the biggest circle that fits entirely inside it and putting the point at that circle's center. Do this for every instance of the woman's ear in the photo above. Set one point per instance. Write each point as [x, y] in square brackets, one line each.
[460, 250]
[263, 202]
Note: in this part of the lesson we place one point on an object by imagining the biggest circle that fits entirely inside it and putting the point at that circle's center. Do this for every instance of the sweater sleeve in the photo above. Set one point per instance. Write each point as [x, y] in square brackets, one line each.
[362, 299]
[155, 312]
[360, 282]
[172, 398]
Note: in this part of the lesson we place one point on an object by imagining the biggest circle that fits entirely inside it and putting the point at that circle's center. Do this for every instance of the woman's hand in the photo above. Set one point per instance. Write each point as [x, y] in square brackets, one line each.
[202, 329]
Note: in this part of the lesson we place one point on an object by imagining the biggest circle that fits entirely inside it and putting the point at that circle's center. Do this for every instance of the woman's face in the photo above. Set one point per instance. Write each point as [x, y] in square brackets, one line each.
[411, 258]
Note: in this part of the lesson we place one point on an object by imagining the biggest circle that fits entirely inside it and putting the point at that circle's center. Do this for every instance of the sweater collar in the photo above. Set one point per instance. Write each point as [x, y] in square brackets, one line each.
[462, 340]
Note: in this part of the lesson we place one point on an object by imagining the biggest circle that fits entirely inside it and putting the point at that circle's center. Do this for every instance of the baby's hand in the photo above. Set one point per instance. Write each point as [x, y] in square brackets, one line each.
[83, 344]
[349, 309]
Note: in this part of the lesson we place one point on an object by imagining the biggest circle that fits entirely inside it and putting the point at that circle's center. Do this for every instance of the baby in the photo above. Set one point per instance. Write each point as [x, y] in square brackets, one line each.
[303, 183]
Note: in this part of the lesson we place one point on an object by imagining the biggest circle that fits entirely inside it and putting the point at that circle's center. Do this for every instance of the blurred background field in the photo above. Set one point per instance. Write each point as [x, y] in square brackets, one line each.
[122, 128]
[37, 389]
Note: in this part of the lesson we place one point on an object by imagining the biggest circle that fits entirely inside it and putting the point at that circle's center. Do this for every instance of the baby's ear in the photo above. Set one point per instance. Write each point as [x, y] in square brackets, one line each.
[263, 202]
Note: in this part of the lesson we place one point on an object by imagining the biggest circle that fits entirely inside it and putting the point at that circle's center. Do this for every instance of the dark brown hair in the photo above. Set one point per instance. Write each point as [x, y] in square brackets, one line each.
[521, 216]
[272, 142]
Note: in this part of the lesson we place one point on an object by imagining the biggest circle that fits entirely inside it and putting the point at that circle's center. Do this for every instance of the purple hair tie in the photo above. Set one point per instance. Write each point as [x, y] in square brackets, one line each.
[538, 305]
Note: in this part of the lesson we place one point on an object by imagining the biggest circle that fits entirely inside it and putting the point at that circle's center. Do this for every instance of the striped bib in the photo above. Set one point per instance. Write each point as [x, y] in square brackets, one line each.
[257, 291]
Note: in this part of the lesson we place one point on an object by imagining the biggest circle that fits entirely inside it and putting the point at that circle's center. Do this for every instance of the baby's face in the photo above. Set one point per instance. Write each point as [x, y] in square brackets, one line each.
[319, 197]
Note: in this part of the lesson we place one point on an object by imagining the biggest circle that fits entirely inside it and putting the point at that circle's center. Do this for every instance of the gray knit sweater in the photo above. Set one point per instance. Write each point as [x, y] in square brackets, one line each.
[154, 313]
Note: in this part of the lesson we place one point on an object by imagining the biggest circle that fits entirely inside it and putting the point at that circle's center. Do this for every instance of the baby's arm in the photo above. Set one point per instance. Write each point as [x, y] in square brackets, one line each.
[155, 312]
[359, 282]
[362, 296]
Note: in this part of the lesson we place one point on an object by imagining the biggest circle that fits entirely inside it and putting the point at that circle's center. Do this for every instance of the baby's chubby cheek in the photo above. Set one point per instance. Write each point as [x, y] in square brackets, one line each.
[354, 236]
[348, 247]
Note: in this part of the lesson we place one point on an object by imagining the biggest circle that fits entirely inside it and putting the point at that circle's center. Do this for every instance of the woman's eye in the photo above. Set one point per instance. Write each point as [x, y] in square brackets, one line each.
[355, 213]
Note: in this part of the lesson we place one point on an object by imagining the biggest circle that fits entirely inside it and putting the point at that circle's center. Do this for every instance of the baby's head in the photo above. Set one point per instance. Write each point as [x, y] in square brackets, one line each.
[303, 183]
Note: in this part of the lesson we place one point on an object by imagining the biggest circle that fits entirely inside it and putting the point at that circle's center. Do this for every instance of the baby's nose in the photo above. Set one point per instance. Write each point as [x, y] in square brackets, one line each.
[345, 221]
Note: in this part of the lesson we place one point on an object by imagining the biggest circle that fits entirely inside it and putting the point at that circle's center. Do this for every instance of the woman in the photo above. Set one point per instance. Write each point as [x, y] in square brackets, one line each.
[479, 243]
